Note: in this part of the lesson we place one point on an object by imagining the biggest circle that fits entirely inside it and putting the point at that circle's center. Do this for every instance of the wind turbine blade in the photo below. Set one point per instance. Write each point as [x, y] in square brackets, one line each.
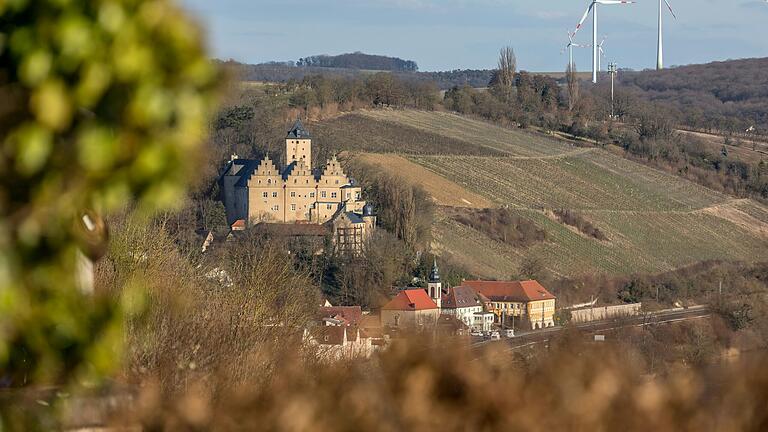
[670, 9]
[613, 2]
[584, 18]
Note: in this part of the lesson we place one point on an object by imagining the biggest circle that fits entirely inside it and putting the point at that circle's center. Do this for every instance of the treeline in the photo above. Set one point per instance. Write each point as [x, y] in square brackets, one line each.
[358, 60]
[377, 90]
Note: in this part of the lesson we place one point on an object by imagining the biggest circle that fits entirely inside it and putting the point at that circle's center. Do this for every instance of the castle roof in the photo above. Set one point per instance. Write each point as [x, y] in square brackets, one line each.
[298, 131]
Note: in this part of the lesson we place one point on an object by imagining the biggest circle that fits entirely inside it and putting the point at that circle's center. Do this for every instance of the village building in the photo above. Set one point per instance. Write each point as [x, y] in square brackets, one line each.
[256, 192]
[342, 334]
[410, 308]
[527, 301]
[463, 303]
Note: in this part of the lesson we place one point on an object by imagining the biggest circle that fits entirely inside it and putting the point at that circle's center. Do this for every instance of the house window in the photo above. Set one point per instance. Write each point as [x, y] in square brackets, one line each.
[274, 194]
[293, 194]
[323, 194]
[293, 207]
[264, 194]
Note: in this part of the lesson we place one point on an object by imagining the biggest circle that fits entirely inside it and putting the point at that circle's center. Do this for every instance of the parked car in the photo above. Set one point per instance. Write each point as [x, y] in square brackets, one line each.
[495, 335]
[476, 333]
[509, 333]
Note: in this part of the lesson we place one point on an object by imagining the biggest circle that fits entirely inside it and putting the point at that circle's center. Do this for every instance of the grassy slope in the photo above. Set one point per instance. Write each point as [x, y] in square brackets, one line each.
[654, 221]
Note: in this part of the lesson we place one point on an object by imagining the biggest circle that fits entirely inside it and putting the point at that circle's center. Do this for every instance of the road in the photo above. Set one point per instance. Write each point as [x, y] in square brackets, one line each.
[533, 337]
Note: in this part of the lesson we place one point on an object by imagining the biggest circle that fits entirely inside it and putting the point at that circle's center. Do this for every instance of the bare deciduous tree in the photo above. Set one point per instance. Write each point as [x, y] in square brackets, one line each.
[504, 78]
[573, 86]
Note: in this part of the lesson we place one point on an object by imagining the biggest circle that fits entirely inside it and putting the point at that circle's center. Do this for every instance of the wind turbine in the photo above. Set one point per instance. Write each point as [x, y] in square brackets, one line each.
[593, 8]
[570, 46]
[601, 54]
[660, 48]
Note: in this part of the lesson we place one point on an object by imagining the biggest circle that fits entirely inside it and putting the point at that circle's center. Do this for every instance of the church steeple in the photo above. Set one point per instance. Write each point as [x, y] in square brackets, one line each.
[434, 275]
[434, 286]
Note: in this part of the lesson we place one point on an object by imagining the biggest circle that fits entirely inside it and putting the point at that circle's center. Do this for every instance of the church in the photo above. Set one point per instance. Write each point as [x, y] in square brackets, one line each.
[257, 192]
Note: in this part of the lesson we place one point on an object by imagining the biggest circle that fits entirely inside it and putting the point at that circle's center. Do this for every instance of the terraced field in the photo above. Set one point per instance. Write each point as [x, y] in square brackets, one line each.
[654, 221]
[452, 126]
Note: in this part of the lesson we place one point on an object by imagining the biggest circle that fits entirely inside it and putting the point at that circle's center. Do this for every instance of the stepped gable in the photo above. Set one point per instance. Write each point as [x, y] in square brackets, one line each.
[332, 169]
[298, 170]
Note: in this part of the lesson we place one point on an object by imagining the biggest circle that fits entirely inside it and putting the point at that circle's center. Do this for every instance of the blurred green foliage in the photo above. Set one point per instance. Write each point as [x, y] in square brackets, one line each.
[102, 103]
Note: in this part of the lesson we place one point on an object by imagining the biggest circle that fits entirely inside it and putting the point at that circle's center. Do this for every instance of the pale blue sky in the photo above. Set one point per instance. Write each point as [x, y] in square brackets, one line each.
[467, 34]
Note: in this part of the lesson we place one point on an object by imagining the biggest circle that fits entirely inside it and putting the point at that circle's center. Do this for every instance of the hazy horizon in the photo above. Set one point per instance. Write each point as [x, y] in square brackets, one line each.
[459, 34]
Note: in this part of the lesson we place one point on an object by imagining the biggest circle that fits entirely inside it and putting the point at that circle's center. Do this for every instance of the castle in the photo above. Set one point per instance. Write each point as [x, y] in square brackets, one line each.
[258, 192]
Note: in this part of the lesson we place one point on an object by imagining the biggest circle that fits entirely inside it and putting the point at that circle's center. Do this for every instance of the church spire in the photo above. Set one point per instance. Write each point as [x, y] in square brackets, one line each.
[434, 275]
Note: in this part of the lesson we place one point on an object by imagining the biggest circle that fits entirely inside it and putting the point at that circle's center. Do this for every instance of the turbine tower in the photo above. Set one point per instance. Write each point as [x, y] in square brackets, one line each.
[660, 47]
[595, 48]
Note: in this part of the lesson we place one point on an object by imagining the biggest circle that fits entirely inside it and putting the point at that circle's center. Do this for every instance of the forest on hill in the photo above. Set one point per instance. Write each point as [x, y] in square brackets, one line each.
[728, 96]
[358, 60]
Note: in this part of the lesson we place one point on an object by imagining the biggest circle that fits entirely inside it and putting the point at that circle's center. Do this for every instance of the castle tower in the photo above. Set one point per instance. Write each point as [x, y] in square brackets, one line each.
[369, 217]
[434, 286]
[298, 145]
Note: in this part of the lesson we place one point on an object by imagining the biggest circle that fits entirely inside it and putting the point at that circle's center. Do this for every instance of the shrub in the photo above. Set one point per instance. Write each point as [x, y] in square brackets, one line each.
[501, 225]
[573, 219]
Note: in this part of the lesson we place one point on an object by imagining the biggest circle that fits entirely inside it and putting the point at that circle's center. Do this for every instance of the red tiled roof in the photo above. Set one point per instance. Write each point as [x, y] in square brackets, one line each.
[411, 300]
[352, 315]
[516, 291]
[238, 224]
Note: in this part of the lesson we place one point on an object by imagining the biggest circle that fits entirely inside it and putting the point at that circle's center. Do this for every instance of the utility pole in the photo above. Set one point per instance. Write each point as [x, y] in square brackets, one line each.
[612, 70]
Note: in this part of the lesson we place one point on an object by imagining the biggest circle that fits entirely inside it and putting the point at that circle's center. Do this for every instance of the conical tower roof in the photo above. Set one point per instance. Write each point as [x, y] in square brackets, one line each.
[434, 275]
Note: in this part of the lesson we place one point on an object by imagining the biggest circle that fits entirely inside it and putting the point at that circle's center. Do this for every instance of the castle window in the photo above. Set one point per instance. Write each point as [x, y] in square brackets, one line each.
[328, 206]
[293, 207]
[333, 194]
[337, 182]
[274, 194]
[349, 195]
[357, 195]
[275, 207]
[293, 194]
[269, 181]
[264, 194]
[323, 194]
